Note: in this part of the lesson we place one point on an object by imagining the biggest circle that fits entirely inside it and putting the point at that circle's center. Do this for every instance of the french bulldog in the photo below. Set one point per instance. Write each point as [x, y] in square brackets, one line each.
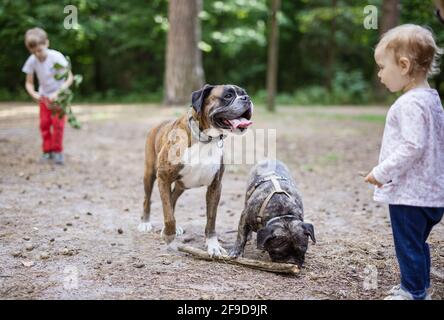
[273, 208]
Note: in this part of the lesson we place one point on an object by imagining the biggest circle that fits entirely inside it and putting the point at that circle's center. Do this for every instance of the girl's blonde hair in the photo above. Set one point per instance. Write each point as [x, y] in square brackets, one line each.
[415, 43]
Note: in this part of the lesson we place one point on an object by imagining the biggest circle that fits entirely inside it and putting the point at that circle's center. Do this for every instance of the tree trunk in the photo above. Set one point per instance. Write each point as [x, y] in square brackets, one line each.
[389, 19]
[273, 49]
[183, 71]
[390, 15]
[331, 51]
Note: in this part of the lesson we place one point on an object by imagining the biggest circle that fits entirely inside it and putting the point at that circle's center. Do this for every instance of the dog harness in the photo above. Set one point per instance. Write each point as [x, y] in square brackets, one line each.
[274, 178]
[200, 135]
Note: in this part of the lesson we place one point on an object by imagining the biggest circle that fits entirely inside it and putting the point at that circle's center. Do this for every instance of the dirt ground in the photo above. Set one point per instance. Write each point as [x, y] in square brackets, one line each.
[71, 232]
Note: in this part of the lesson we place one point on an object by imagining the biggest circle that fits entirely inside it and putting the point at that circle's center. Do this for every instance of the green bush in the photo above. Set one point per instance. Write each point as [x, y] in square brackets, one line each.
[347, 88]
[350, 88]
[312, 95]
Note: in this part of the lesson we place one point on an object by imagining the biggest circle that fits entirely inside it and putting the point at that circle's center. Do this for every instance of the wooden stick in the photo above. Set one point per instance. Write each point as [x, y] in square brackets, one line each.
[255, 264]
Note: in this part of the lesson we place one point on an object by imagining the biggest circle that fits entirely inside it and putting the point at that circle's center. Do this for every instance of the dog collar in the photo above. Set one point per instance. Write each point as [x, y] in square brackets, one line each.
[200, 135]
[280, 217]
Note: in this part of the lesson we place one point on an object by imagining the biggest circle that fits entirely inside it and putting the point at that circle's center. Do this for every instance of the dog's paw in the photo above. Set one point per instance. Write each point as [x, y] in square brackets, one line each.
[145, 227]
[234, 253]
[179, 231]
[168, 238]
[214, 248]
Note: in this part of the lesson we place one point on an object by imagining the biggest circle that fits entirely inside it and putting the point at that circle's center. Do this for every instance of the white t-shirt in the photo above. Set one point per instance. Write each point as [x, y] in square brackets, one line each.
[45, 71]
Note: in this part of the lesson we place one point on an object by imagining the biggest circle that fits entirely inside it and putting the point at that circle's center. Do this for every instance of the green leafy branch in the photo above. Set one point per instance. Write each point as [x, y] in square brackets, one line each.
[62, 105]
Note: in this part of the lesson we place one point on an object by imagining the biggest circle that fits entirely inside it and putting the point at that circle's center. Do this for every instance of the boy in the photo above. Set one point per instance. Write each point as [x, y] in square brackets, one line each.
[41, 62]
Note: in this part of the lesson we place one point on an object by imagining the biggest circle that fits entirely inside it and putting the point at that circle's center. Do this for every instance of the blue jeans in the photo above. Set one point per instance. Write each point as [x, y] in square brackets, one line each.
[411, 227]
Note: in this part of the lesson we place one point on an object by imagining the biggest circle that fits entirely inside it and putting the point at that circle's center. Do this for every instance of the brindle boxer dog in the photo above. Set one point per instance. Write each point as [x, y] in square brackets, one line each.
[273, 209]
[188, 153]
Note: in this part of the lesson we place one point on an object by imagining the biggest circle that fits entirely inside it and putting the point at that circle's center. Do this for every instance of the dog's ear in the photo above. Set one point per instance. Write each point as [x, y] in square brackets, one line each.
[198, 97]
[309, 231]
[263, 235]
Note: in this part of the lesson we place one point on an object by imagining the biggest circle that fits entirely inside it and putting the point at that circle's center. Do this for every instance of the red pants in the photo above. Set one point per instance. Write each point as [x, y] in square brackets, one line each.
[52, 141]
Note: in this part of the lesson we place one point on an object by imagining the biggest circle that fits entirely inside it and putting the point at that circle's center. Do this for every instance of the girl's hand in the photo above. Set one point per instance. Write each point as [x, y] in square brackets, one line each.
[371, 179]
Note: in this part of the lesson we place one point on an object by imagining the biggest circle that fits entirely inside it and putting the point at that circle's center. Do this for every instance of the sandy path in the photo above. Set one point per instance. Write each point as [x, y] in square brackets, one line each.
[72, 215]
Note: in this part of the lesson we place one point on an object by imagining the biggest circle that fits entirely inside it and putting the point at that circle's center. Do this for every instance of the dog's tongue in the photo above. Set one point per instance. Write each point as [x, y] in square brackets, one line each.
[239, 123]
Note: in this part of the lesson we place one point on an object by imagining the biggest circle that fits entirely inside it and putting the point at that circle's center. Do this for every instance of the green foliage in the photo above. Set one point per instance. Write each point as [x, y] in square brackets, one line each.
[423, 13]
[350, 88]
[62, 105]
[235, 30]
[119, 46]
[347, 88]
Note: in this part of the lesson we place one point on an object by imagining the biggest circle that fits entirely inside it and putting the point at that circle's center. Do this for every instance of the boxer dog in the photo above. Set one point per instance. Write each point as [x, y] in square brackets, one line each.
[188, 153]
[273, 209]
